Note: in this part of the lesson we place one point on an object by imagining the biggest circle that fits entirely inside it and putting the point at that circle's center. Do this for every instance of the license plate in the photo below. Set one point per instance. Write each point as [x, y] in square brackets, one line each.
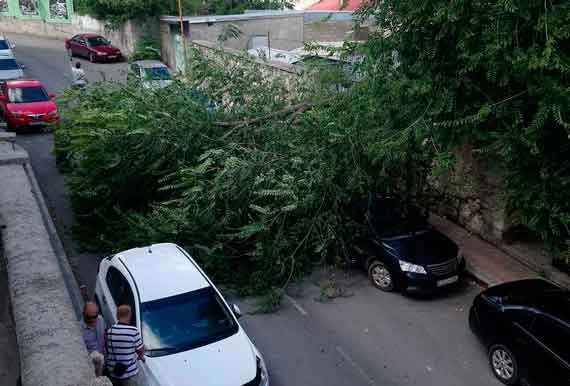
[450, 280]
[112, 56]
[37, 123]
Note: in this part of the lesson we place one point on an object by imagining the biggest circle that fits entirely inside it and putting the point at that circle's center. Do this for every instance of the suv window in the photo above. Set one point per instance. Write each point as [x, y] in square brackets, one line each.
[553, 335]
[120, 290]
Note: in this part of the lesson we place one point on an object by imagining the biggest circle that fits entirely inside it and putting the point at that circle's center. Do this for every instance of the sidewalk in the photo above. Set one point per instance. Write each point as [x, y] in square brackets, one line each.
[488, 264]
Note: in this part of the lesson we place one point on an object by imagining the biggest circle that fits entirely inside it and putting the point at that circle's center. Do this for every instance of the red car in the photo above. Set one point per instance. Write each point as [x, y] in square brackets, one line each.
[93, 47]
[26, 104]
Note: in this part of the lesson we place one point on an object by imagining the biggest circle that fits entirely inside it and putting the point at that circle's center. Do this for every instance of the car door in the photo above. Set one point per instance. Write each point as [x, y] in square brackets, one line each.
[552, 354]
[116, 290]
[80, 46]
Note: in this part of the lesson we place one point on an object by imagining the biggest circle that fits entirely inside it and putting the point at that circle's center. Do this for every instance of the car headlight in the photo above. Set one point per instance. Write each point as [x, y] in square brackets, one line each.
[264, 376]
[102, 53]
[413, 268]
[52, 113]
[18, 115]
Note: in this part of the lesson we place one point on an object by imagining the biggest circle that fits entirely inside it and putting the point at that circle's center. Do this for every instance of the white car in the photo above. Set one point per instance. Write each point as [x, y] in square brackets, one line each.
[10, 69]
[6, 48]
[191, 335]
[152, 74]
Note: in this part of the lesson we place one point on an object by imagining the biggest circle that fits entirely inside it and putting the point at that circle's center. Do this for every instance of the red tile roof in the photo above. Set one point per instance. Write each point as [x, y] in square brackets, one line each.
[335, 5]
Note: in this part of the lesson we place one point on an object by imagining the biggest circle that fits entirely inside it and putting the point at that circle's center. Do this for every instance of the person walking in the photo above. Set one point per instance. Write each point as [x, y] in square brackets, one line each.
[93, 332]
[124, 347]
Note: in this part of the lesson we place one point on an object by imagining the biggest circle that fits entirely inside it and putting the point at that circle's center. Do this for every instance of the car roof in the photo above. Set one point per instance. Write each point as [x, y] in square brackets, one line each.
[89, 35]
[23, 83]
[162, 270]
[150, 63]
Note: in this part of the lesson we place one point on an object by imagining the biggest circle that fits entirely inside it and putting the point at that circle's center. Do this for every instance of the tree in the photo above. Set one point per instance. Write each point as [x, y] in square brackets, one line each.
[494, 74]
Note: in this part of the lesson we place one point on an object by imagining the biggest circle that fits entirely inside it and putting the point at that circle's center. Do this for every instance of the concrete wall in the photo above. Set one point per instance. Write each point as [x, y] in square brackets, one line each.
[124, 37]
[285, 32]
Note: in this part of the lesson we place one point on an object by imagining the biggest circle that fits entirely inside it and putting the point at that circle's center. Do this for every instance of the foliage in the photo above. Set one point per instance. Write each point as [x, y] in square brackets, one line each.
[255, 188]
[497, 76]
[116, 12]
[147, 48]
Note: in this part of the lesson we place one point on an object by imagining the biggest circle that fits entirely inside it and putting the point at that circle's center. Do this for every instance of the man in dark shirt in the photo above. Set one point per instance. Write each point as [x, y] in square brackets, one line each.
[124, 347]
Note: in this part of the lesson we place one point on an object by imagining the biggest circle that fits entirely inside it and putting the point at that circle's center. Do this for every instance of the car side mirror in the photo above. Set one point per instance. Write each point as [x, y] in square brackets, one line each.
[51, 95]
[22, 67]
[236, 311]
[12, 45]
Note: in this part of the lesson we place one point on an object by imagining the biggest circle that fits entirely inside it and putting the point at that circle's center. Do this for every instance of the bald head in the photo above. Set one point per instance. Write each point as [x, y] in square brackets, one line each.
[90, 312]
[124, 314]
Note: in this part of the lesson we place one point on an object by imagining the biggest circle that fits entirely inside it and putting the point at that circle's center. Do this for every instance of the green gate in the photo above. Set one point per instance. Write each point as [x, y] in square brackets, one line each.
[53, 11]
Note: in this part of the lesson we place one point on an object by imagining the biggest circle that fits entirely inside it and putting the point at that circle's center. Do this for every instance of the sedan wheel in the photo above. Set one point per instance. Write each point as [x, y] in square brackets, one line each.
[504, 364]
[380, 276]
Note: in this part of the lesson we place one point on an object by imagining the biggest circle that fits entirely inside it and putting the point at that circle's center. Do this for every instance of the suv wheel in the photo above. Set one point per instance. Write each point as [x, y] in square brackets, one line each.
[504, 364]
[380, 276]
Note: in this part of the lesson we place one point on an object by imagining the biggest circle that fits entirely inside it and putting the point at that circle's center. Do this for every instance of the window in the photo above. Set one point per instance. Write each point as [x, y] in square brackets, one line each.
[97, 41]
[156, 73]
[120, 290]
[27, 94]
[8, 65]
[554, 335]
[4, 45]
[185, 321]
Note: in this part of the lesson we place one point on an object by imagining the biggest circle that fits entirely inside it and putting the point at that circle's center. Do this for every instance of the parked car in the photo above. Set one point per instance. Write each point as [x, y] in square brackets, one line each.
[26, 104]
[525, 326]
[151, 73]
[6, 48]
[93, 47]
[189, 330]
[10, 69]
[399, 249]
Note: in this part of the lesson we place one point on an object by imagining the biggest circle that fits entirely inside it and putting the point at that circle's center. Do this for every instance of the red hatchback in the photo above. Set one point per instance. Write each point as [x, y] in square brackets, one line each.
[26, 104]
[93, 47]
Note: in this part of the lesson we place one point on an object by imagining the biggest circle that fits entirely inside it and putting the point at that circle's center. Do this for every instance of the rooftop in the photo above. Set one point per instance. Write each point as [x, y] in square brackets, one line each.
[162, 270]
[250, 15]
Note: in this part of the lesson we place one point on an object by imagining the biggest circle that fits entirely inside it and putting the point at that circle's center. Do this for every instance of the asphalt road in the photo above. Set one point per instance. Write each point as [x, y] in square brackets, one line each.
[363, 338]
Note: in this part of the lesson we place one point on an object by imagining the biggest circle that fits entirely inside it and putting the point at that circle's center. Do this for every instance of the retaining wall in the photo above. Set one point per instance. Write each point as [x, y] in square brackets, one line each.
[124, 37]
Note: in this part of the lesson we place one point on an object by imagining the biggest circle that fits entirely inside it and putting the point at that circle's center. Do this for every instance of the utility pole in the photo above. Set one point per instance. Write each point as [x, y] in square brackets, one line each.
[182, 36]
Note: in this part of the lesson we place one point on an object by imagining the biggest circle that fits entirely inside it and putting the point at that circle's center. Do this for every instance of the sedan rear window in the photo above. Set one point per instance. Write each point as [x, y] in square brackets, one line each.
[184, 322]
[4, 45]
[27, 94]
[8, 64]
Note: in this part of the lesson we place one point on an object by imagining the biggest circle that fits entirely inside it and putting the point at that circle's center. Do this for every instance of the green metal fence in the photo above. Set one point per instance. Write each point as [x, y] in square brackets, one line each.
[53, 11]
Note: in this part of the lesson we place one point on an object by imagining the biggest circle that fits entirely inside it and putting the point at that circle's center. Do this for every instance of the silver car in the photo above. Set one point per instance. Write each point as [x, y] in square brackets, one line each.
[10, 69]
[152, 74]
[6, 48]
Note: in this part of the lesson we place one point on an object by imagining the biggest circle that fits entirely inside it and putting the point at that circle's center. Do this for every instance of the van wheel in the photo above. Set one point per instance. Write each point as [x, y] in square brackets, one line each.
[380, 276]
[504, 364]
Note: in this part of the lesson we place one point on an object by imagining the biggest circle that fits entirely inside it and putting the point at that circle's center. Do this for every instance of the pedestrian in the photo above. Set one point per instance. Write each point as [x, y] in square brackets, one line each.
[93, 332]
[124, 347]
[79, 79]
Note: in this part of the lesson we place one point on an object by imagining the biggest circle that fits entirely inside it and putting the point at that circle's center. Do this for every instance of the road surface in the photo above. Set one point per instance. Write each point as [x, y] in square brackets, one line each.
[365, 338]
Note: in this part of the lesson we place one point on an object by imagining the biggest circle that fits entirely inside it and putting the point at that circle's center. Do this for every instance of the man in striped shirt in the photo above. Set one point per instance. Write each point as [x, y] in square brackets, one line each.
[124, 347]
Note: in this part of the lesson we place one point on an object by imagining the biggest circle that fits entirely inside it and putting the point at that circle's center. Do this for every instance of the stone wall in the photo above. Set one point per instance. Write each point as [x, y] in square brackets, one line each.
[124, 37]
[470, 195]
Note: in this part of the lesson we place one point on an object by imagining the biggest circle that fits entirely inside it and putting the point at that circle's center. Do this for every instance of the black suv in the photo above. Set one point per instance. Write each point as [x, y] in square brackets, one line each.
[399, 249]
[525, 326]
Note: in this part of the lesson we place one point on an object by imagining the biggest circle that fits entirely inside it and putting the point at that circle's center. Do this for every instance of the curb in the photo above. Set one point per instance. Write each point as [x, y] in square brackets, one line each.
[69, 278]
[477, 278]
